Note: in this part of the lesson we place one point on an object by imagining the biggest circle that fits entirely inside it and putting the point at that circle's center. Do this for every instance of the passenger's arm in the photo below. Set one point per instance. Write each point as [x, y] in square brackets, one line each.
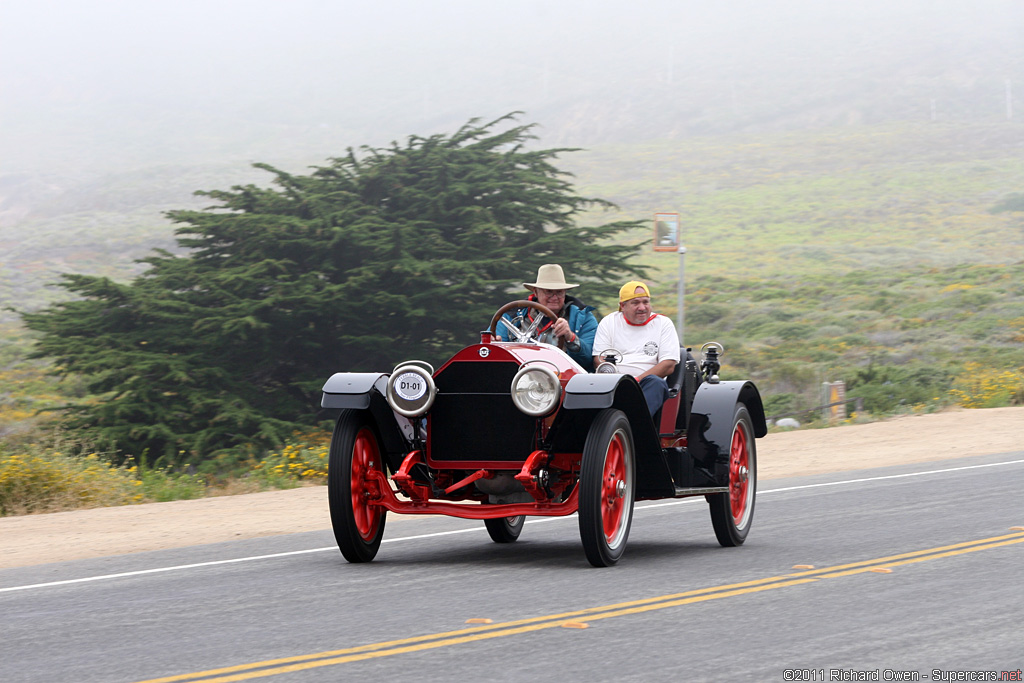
[662, 369]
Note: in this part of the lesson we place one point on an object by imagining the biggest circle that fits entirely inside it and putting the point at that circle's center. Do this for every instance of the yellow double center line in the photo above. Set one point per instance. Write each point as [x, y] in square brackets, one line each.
[273, 667]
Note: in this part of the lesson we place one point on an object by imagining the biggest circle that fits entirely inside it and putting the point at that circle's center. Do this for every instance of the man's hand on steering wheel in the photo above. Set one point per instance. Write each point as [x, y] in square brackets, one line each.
[530, 333]
[561, 329]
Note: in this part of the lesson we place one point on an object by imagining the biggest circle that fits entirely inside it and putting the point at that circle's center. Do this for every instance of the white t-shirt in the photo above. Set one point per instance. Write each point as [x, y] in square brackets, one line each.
[642, 346]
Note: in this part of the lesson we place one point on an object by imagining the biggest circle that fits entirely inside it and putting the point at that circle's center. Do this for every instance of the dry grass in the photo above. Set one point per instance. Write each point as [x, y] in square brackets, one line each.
[35, 482]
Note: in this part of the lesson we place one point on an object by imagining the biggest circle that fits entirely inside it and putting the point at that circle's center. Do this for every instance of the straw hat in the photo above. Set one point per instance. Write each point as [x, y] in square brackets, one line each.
[550, 276]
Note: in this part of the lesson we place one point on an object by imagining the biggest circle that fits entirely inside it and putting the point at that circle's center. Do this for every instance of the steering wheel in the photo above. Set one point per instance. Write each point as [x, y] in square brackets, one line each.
[530, 333]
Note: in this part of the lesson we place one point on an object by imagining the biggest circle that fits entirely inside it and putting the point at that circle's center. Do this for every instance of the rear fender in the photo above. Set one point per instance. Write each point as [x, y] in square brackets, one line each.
[366, 391]
[709, 436]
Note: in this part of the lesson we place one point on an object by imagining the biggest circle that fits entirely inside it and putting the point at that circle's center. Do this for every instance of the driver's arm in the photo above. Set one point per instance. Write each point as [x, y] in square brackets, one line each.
[501, 328]
[586, 334]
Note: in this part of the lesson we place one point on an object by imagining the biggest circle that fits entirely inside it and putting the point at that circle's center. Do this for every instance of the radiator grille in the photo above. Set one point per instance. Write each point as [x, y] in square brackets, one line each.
[473, 417]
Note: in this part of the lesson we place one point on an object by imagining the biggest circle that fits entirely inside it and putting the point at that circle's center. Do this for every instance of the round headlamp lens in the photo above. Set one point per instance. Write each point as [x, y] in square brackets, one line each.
[535, 390]
[411, 391]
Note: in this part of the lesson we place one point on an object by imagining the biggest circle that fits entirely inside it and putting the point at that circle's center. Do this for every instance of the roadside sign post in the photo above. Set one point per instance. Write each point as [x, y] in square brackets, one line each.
[682, 291]
[834, 403]
[667, 238]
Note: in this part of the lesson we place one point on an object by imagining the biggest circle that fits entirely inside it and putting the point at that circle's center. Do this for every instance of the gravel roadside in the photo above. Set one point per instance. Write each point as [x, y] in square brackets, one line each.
[60, 536]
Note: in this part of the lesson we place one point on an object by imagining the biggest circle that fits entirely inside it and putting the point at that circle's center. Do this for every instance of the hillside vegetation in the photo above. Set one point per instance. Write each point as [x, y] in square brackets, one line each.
[864, 254]
[868, 254]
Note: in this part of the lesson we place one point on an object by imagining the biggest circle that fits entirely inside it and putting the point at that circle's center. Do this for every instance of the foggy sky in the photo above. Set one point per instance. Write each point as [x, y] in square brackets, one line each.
[102, 79]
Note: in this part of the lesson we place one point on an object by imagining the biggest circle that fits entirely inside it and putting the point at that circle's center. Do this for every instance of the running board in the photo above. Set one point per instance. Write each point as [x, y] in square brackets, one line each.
[683, 491]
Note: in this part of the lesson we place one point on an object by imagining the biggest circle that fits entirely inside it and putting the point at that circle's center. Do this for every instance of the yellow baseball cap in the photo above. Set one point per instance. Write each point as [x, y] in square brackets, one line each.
[628, 290]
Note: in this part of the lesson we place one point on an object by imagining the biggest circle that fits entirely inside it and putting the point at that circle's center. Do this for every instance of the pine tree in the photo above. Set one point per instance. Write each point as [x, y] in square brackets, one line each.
[377, 257]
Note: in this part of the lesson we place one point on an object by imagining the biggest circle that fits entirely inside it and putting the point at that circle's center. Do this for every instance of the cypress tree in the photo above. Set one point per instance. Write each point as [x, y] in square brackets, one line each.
[379, 256]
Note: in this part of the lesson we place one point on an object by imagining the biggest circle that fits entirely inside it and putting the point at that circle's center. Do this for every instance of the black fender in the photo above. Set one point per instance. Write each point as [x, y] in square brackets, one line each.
[367, 391]
[592, 390]
[595, 392]
[352, 389]
[709, 436]
[613, 391]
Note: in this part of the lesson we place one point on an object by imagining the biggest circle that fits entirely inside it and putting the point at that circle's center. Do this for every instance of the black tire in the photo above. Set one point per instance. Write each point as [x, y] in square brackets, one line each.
[733, 512]
[505, 529]
[607, 486]
[355, 446]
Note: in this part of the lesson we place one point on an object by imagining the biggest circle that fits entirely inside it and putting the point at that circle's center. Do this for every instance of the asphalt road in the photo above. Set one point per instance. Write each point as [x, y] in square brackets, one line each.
[915, 569]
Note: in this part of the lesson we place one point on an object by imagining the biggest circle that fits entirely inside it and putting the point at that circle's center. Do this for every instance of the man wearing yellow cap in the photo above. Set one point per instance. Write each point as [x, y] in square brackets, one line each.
[647, 341]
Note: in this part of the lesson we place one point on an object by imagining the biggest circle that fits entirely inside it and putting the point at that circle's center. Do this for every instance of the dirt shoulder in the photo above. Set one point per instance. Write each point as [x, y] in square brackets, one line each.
[60, 536]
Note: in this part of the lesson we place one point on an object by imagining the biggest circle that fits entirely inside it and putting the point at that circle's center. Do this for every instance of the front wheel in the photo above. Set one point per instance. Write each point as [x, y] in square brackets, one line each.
[355, 450]
[607, 484]
[732, 512]
[505, 529]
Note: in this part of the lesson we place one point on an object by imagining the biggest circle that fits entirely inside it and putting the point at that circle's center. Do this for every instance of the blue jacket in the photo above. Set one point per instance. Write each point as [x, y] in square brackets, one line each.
[582, 322]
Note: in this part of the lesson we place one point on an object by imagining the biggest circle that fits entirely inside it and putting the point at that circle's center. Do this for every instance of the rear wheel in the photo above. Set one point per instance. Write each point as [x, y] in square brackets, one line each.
[607, 483]
[355, 450]
[732, 512]
[505, 529]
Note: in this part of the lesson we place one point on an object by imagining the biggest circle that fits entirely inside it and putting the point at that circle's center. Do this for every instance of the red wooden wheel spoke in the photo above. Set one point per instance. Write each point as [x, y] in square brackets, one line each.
[364, 457]
[611, 503]
[738, 465]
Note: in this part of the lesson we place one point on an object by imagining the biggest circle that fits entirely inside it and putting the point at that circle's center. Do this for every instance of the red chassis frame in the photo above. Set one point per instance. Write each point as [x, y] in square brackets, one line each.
[380, 494]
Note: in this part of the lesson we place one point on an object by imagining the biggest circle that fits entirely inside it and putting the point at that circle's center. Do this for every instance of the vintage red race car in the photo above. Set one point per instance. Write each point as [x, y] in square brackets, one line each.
[506, 430]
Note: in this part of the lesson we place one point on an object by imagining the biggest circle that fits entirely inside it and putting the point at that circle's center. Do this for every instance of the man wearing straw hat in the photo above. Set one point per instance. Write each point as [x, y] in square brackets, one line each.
[647, 341]
[575, 324]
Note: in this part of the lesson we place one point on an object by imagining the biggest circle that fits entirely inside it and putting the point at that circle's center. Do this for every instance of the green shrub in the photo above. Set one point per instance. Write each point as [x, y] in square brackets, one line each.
[162, 485]
[304, 459]
[890, 388]
[706, 314]
[779, 404]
